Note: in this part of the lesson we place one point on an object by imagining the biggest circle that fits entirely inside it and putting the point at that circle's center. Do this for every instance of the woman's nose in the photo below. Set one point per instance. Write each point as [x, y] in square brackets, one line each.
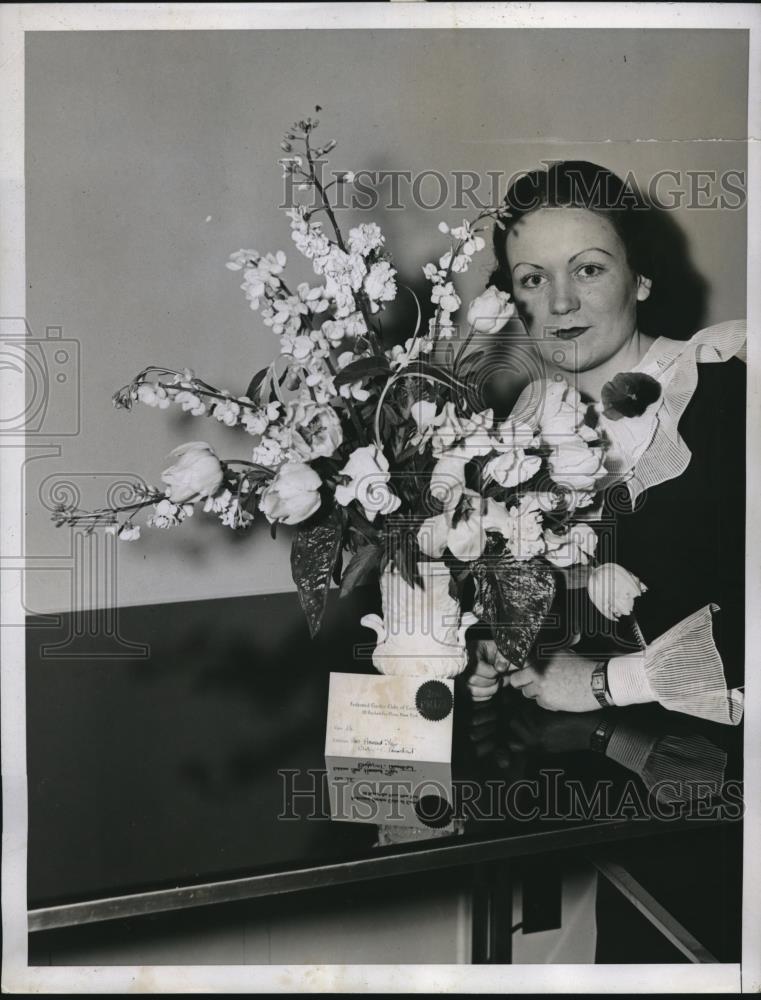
[563, 299]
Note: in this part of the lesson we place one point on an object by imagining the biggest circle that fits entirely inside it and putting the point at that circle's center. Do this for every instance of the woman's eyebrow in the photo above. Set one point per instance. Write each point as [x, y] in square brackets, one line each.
[600, 249]
[525, 263]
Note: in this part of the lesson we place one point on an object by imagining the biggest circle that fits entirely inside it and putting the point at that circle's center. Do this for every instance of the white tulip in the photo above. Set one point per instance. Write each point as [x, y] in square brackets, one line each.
[613, 590]
[198, 473]
[293, 495]
[490, 311]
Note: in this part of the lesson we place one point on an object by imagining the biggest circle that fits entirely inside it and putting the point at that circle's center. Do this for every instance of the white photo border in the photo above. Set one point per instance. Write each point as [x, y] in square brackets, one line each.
[15, 21]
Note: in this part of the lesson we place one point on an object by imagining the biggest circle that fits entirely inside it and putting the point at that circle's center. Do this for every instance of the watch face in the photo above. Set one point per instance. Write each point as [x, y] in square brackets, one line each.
[599, 739]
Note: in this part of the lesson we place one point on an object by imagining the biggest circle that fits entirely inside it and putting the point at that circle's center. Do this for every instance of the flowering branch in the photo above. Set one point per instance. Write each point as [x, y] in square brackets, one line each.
[328, 208]
[325, 425]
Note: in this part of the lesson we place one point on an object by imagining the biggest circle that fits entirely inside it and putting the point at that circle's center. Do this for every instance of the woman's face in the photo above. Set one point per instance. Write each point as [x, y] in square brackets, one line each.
[573, 286]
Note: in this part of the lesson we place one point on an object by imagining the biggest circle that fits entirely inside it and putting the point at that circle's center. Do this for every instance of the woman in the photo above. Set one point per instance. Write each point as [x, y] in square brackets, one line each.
[578, 256]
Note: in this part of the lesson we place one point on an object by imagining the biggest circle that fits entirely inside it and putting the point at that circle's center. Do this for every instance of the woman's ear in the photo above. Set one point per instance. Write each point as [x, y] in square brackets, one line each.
[644, 285]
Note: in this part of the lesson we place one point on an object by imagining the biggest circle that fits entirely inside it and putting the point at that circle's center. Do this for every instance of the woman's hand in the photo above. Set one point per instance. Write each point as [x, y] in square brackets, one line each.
[560, 682]
[490, 668]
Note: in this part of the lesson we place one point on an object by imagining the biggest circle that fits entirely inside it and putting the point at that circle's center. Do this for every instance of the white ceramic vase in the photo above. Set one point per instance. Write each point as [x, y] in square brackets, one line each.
[422, 632]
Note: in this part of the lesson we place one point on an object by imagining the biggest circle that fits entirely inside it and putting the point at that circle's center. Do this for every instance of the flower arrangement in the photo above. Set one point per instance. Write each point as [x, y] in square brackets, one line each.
[379, 457]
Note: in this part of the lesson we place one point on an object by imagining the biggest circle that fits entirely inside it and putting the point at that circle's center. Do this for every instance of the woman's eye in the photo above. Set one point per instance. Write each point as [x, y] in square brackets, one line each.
[532, 280]
[590, 270]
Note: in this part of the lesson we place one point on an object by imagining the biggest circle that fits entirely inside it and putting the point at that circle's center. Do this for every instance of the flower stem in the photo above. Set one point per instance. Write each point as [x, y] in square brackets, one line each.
[360, 298]
[638, 632]
[350, 407]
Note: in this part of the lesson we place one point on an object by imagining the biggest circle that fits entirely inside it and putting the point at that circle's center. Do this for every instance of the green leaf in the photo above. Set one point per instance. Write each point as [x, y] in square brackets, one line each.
[514, 599]
[361, 369]
[338, 566]
[363, 526]
[255, 382]
[314, 552]
[364, 562]
[425, 370]
[404, 553]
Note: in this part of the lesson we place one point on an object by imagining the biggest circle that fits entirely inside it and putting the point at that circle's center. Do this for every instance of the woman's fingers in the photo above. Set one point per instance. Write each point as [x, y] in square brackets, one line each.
[488, 654]
[484, 669]
[483, 694]
[484, 680]
[490, 667]
[520, 678]
[483, 687]
[501, 664]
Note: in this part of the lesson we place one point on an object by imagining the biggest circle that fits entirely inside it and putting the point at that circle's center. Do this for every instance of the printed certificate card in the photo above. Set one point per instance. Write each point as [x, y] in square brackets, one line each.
[392, 718]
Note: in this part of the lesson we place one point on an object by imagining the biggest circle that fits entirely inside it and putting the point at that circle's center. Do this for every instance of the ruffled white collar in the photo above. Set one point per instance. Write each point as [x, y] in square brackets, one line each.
[647, 450]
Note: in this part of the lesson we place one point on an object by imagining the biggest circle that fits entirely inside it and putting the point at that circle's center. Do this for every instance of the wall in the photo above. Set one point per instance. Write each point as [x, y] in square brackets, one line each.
[152, 155]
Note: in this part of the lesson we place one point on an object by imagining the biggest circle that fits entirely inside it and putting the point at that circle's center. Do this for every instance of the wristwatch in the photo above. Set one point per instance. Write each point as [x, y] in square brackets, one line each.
[599, 681]
[601, 736]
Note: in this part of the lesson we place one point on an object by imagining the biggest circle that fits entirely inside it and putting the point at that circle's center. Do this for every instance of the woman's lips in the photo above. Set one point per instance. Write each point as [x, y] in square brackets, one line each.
[570, 332]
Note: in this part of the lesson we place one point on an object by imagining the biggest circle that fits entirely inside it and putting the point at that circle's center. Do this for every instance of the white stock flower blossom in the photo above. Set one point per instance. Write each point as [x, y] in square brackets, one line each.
[257, 421]
[260, 274]
[216, 504]
[458, 263]
[269, 453]
[167, 514]
[445, 297]
[380, 284]
[227, 412]
[299, 347]
[125, 532]
[351, 390]
[191, 403]
[153, 395]
[308, 236]
[365, 238]
[234, 516]
[341, 269]
[313, 297]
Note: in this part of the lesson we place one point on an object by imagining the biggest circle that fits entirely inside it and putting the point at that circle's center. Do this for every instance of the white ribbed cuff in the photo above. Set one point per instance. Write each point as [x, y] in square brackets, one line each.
[627, 680]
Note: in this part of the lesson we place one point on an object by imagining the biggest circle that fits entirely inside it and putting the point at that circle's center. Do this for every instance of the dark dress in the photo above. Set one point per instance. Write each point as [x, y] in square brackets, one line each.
[685, 538]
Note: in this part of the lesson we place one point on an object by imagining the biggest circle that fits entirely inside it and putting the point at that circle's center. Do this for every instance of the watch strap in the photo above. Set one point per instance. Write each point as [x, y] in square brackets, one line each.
[601, 736]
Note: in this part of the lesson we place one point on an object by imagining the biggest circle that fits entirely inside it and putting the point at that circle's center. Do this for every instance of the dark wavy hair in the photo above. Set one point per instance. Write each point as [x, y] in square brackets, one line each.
[655, 246]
